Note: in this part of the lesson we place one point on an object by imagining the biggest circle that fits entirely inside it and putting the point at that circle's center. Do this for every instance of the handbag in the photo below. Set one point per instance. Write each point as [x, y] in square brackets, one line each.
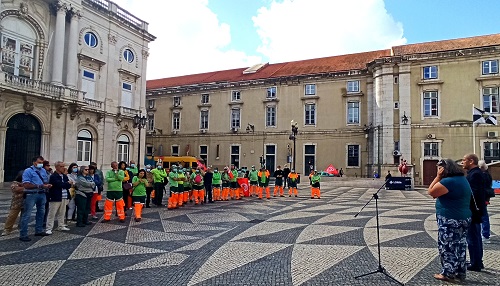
[127, 186]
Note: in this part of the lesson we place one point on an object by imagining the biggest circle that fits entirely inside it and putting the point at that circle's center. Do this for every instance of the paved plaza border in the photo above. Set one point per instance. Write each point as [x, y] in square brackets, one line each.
[282, 241]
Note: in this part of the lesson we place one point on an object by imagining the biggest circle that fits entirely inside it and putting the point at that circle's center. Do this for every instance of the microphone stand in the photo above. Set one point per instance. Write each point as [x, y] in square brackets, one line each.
[380, 268]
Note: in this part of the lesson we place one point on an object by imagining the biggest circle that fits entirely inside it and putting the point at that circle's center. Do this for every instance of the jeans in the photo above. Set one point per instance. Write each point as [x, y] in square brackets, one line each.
[475, 245]
[485, 223]
[29, 202]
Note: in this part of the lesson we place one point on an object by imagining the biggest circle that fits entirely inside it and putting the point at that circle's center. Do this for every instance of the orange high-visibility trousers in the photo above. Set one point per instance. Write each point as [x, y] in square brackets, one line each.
[268, 193]
[225, 192]
[185, 197]
[180, 199]
[253, 190]
[108, 209]
[138, 210]
[216, 194]
[120, 208]
[195, 196]
[276, 190]
[201, 196]
[259, 192]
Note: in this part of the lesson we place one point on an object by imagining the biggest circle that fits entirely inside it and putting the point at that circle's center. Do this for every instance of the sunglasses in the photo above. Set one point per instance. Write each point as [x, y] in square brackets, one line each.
[85, 169]
[441, 163]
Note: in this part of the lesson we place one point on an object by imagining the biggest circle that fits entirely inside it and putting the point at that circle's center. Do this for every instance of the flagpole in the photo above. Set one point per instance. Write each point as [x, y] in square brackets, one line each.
[473, 134]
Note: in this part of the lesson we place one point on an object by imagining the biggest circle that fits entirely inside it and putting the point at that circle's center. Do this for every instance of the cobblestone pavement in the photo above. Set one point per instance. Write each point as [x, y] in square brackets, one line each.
[282, 241]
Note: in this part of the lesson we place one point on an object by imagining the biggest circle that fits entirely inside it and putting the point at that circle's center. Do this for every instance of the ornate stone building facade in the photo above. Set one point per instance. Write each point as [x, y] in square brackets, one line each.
[73, 76]
[360, 112]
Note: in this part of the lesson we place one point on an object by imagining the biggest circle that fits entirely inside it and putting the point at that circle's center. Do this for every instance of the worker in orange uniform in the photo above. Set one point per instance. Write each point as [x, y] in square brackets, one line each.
[114, 177]
[234, 192]
[278, 184]
[315, 190]
[253, 177]
[293, 179]
[264, 182]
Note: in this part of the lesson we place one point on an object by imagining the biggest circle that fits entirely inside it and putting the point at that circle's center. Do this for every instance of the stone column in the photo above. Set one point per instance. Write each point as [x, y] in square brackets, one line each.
[72, 64]
[58, 56]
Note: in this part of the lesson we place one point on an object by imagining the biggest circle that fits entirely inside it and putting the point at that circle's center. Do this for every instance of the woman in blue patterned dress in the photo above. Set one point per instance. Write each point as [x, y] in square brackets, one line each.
[452, 192]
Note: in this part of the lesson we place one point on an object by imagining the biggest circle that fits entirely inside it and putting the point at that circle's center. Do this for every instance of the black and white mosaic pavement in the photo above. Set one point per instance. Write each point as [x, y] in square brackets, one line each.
[282, 241]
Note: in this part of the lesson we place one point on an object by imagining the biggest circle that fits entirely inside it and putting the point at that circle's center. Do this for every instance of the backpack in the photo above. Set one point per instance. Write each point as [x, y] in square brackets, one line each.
[198, 179]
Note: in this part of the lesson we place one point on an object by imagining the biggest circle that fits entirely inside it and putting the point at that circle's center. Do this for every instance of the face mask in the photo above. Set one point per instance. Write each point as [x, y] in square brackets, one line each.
[132, 165]
[179, 171]
[159, 167]
[148, 170]
[75, 170]
[174, 170]
[39, 166]
[217, 171]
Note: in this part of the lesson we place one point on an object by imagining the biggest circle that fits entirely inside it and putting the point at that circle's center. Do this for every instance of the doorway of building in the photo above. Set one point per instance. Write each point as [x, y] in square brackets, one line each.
[22, 143]
[429, 171]
[309, 159]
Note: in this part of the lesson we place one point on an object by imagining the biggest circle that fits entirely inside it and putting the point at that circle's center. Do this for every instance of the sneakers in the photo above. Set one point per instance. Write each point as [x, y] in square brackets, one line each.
[24, 238]
[63, 228]
[43, 234]
[486, 240]
[48, 232]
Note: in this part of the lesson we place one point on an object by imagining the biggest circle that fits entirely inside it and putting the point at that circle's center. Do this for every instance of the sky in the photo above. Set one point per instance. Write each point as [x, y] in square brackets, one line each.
[196, 36]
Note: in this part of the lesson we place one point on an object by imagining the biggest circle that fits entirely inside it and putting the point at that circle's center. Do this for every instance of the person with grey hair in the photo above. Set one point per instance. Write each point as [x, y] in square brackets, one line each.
[477, 205]
[59, 197]
[84, 191]
[452, 192]
[485, 219]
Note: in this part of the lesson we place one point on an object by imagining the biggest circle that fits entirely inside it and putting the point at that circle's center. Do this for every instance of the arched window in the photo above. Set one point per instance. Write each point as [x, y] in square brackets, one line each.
[17, 47]
[84, 148]
[123, 148]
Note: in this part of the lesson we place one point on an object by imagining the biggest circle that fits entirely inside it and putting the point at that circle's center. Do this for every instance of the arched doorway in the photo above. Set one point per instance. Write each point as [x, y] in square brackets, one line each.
[22, 143]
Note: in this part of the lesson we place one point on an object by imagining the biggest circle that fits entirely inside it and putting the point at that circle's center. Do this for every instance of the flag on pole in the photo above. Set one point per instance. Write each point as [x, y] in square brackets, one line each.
[480, 116]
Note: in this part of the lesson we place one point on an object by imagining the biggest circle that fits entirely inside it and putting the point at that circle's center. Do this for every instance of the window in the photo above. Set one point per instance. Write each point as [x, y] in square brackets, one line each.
[204, 154]
[176, 121]
[123, 148]
[271, 116]
[175, 150]
[88, 84]
[353, 86]
[271, 92]
[151, 122]
[205, 98]
[17, 57]
[235, 95]
[151, 103]
[353, 155]
[310, 89]
[353, 112]
[204, 119]
[84, 148]
[149, 150]
[235, 155]
[431, 149]
[430, 103]
[491, 151]
[235, 118]
[490, 99]
[430, 72]
[490, 67]
[177, 101]
[270, 157]
[310, 114]
[90, 39]
[128, 55]
[127, 95]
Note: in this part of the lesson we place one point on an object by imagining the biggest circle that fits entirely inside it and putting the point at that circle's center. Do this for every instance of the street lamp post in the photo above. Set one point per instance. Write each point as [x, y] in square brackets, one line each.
[139, 123]
[293, 137]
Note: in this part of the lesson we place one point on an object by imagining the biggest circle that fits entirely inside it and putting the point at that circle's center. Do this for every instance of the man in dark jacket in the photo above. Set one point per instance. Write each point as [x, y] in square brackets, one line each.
[207, 181]
[286, 172]
[477, 206]
[58, 197]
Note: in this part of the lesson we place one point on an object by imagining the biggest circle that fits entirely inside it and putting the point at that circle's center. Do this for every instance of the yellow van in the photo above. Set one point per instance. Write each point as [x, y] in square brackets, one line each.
[187, 162]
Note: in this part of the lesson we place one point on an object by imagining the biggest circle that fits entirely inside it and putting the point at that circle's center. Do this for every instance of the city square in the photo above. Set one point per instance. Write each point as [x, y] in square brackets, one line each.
[281, 241]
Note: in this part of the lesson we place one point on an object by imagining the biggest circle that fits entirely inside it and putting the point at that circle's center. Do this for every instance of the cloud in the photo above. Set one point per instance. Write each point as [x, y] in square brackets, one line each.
[304, 29]
[190, 38]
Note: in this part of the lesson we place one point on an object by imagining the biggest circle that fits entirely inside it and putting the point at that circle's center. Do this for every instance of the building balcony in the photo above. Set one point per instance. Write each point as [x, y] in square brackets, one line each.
[39, 89]
[127, 111]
